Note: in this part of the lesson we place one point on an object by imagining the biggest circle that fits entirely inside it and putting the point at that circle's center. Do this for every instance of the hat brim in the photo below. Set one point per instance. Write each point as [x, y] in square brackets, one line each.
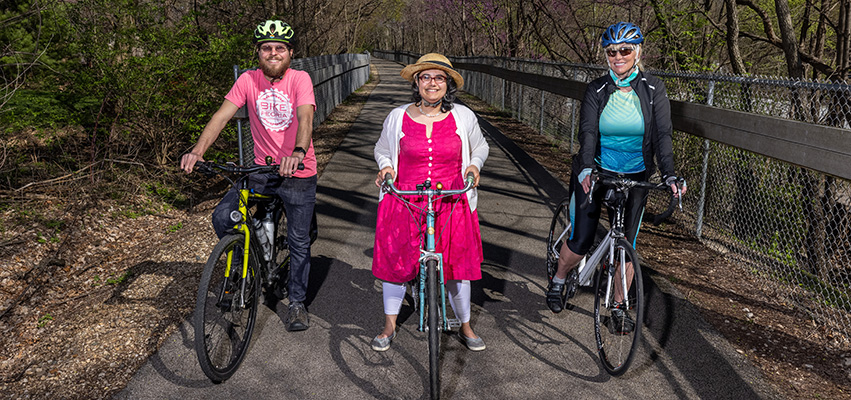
[413, 69]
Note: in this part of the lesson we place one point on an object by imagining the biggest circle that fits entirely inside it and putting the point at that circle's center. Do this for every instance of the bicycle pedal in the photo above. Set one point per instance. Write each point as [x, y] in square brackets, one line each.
[454, 323]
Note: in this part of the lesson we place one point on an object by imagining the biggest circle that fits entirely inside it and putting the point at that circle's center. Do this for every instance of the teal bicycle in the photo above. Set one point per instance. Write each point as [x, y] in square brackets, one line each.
[430, 300]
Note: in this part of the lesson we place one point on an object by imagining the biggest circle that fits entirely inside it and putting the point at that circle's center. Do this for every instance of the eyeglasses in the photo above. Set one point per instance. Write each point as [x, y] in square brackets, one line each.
[278, 49]
[439, 79]
[625, 51]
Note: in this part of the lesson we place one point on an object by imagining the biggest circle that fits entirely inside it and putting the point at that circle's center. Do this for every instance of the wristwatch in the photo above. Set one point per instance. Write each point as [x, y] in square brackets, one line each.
[302, 150]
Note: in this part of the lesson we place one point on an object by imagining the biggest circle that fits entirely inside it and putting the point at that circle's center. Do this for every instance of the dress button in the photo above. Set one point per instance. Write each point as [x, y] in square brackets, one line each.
[429, 172]
[429, 140]
[431, 158]
[429, 149]
[429, 164]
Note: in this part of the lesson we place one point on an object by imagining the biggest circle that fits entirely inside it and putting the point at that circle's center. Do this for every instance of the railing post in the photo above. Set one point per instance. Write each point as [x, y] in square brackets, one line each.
[542, 113]
[701, 201]
[541, 130]
[502, 102]
[573, 116]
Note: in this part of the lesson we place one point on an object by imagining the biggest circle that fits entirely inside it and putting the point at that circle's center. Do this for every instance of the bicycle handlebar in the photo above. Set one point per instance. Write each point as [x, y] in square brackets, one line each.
[388, 185]
[206, 167]
[625, 183]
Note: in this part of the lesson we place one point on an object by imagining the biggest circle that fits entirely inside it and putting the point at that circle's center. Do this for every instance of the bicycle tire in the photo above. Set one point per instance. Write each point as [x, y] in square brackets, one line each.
[434, 321]
[559, 228]
[223, 328]
[560, 232]
[616, 343]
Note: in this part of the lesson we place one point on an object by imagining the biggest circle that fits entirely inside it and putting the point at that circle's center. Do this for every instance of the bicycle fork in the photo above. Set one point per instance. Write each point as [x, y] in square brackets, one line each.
[241, 226]
[621, 265]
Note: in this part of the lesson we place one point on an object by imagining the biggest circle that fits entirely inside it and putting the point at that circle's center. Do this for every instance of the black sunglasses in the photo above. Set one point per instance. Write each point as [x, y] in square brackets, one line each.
[625, 51]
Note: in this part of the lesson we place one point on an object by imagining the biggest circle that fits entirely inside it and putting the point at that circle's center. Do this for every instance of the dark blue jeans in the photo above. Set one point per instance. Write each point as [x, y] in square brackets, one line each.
[299, 197]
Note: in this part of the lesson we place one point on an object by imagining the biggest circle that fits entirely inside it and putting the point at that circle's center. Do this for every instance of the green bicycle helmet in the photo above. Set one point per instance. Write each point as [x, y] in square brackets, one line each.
[274, 31]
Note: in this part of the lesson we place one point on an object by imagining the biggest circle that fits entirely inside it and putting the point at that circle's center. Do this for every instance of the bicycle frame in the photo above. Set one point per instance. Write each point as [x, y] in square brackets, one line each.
[427, 254]
[243, 225]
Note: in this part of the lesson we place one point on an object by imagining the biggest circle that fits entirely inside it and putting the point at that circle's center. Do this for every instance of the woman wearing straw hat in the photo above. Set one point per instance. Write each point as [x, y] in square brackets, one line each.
[429, 139]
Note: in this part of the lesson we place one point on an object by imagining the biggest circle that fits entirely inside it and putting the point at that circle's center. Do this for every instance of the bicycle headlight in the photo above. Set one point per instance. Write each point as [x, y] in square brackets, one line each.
[236, 216]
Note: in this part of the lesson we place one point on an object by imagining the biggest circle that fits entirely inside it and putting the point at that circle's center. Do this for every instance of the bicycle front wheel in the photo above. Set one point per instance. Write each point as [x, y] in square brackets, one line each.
[618, 308]
[434, 323]
[226, 308]
[560, 232]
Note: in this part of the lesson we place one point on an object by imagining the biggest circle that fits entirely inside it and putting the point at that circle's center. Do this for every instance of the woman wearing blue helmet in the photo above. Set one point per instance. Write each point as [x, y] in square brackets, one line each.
[625, 128]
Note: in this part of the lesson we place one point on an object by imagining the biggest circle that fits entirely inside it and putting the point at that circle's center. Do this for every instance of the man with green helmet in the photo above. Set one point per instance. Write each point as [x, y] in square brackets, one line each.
[280, 104]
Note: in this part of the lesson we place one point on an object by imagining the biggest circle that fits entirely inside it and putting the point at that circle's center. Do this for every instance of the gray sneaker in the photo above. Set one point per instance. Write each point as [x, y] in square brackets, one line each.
[382, 344]
[476, 344]
[297, 319]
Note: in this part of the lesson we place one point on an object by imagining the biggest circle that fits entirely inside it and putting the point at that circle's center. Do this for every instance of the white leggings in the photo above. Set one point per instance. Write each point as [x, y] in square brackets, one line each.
[459, 298]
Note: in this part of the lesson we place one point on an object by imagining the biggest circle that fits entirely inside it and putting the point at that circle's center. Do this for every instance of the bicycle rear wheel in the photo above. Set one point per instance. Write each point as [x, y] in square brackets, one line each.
[434, 325]
[225, 313]
[618, 318]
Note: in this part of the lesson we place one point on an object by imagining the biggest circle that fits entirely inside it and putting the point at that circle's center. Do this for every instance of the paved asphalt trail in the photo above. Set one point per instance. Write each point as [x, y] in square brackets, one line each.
[531, 352]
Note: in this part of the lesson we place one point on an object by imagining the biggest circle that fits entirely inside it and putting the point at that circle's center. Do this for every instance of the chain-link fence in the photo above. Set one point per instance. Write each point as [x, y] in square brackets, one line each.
[786, 225]
[334, 77]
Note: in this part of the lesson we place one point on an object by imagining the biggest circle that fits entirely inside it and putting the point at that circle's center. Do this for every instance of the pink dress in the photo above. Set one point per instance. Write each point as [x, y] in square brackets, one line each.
[400, 229]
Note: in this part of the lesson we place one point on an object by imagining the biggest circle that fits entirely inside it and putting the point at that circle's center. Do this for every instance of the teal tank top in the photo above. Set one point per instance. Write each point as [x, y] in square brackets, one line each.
[621, 134]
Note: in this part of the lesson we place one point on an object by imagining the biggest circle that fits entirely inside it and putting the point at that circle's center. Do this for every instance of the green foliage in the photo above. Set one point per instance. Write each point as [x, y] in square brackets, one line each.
[132, 75]
[44, 319]
[112, 280]
[118, 279]
[166, 193]
[174, 228]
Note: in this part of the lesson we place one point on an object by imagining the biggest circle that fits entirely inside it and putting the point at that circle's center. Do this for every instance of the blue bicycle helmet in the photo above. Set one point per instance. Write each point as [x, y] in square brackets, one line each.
[622, 32]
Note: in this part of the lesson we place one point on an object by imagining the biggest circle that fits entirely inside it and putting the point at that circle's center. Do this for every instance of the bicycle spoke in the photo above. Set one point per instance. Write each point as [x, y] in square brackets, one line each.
[618, 315]
[225, 311]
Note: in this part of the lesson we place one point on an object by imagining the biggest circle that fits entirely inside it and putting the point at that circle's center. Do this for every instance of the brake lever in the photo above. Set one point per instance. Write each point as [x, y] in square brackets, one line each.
[591, 189]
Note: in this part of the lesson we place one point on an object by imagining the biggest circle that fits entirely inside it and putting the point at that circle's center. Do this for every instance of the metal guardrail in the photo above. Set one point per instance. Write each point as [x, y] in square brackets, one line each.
[334, 77]
[755, 151]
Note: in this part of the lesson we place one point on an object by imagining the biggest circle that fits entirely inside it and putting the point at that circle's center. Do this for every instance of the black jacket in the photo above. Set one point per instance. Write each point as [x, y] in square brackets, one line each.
[657, 121]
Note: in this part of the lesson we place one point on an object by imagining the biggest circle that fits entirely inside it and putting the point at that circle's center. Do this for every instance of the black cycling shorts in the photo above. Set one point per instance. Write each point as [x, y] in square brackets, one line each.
[585, 219]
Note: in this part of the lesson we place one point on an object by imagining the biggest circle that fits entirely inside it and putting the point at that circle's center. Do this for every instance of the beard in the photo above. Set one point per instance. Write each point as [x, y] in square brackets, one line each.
[274, 71]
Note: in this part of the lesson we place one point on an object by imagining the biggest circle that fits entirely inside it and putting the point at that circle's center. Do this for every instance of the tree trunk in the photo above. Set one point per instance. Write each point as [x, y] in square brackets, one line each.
[733, 38]
[787, 35]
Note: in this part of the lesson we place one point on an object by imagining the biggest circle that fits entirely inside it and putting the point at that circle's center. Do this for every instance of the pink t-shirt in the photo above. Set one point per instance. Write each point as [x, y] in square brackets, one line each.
[272, 113]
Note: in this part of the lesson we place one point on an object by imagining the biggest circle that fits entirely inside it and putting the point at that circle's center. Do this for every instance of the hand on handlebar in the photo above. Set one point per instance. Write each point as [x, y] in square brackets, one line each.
[678, 185]
[289, 165]
[187, 162]
[379, 180]
[472, 169]
[585, 179]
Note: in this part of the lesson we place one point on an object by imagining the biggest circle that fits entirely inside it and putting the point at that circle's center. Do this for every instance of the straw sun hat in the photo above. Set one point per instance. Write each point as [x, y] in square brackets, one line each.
[432, 61]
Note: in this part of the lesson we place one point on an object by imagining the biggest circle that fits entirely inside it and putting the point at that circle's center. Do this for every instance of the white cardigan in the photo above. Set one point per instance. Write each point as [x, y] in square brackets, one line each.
[474, 147]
